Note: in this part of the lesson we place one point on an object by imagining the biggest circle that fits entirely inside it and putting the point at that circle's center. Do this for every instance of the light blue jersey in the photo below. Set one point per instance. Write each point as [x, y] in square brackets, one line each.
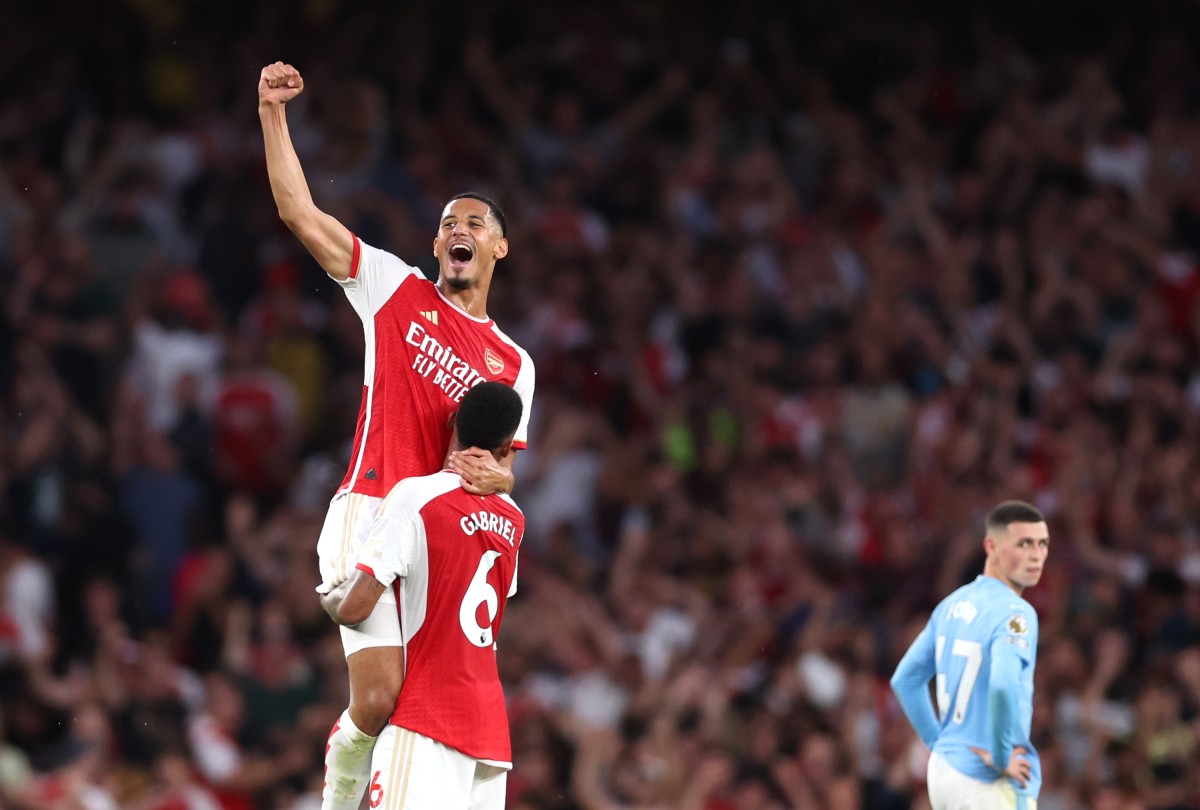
[980, 648]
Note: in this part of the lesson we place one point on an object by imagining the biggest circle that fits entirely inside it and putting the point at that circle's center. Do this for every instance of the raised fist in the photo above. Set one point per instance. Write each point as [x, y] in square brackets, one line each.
[279, 84]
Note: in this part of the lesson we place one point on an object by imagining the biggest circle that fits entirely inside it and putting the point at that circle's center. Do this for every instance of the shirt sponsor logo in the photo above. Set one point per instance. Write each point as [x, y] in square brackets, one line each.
[440, 364]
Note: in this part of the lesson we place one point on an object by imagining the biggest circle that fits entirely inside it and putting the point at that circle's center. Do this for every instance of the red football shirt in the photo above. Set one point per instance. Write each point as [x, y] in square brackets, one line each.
[423, 354]
[452, 558]
[253, 414]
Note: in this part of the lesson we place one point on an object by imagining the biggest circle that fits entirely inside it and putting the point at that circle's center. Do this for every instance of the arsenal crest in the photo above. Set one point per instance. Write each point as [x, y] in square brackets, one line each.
[494, 363]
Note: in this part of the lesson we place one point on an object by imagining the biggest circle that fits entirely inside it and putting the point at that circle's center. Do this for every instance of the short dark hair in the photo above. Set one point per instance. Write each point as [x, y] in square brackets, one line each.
[488, 416]
[490, 203]
[1008, 512]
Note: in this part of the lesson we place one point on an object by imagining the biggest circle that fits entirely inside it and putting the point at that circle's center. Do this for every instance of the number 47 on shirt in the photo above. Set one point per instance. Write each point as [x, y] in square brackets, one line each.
[973, 652]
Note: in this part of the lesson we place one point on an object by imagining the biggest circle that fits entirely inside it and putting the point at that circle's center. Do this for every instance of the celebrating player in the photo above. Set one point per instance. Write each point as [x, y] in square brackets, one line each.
[455, 557]
[427, 345]
[981, 644]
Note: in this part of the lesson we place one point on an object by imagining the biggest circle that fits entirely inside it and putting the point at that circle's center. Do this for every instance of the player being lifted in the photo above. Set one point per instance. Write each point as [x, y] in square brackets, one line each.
[980, 646]
[452, 558]
[426, 346]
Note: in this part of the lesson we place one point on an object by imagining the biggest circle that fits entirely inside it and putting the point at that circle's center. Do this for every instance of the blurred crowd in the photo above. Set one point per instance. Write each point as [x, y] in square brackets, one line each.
[808, 291]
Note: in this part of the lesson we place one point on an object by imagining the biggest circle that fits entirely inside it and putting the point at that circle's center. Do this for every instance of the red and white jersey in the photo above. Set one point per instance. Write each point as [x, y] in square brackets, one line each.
[423, 354]
[452, 559]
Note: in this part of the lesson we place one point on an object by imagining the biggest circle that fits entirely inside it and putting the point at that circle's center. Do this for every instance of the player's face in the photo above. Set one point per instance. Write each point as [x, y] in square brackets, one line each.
[468, 243]
[1017, 554]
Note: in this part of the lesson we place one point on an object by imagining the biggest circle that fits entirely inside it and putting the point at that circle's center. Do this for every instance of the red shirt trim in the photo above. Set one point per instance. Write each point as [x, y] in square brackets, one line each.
[366, 568]
[355, 256]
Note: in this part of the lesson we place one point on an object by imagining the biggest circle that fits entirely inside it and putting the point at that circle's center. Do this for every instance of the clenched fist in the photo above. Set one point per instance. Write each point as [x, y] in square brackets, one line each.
[279, 84]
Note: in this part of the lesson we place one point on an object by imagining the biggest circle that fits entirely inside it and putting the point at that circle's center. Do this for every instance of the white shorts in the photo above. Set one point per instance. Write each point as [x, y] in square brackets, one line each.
[950, 789]
[380, 629]
[347, 525]
[409, 771]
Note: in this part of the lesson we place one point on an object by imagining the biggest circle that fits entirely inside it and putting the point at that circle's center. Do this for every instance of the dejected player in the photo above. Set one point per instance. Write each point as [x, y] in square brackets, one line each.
[427, 345]
[980, 648]
[452, 558]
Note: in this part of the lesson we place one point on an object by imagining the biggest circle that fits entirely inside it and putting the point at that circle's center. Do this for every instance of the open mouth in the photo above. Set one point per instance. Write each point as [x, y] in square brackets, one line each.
[461, 253]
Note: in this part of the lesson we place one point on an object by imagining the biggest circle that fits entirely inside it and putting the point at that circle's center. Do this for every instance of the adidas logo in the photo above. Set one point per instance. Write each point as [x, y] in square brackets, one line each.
[431, 316]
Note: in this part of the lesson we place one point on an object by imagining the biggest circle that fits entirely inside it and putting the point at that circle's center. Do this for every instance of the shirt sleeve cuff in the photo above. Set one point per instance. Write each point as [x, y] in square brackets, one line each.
[355, 257]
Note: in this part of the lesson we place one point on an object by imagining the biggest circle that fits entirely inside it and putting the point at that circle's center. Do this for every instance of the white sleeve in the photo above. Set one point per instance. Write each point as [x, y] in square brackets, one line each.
[393, 545]
[374, 275]
[512, 588]
[523, 385]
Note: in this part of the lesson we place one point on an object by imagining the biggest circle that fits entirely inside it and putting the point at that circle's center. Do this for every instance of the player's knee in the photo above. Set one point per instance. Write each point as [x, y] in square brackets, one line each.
[374, 705]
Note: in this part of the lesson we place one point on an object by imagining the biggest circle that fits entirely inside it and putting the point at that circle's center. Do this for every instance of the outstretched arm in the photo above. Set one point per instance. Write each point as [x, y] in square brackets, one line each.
[328, 240]
[643, 110]
[485, 73]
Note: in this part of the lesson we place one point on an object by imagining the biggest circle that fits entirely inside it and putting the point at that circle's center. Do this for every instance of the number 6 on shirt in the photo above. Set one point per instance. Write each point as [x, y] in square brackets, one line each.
[480, 591]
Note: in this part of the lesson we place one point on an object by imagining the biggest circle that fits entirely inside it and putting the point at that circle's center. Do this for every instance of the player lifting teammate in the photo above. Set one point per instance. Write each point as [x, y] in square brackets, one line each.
[426, 346]
[453, 556]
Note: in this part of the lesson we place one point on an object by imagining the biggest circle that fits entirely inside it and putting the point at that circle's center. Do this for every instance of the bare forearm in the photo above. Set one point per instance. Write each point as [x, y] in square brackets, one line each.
[288, 185]
[507, 463]
[481, 472]
[352, 601]
[329, 242]
[332, 603]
